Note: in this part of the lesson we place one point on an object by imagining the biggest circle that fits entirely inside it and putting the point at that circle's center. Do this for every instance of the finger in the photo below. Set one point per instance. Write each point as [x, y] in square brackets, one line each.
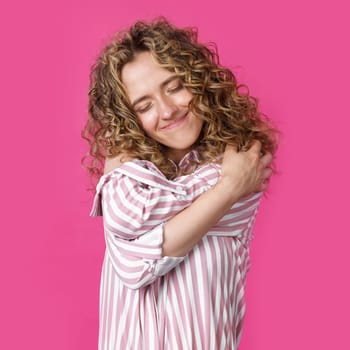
[230, 150]
[231, 147]
[255, 147]
[266, 174]
[266, 159]
[263, 186]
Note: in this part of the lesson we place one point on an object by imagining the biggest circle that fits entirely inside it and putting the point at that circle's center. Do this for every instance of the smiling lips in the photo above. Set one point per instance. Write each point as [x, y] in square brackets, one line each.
[176, 123]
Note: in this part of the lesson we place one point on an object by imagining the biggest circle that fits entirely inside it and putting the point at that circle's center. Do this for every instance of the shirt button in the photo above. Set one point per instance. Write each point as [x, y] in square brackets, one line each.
[179, 188]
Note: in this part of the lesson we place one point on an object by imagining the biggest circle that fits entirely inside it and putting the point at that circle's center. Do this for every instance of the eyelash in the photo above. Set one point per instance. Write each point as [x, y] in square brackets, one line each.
[174, 89]
[144, 109]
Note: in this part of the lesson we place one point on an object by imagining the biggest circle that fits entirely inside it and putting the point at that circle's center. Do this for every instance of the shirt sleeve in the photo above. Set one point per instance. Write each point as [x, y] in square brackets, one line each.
[136, 200]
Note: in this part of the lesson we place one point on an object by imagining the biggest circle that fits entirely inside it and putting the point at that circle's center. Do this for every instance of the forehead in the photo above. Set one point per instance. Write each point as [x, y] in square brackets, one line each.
[143, 75]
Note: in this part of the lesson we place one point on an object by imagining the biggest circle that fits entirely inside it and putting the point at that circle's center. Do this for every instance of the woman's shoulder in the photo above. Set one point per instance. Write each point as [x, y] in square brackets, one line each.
[127, 165]
[133, 169]
[136, 173]
[140, 171]
[120, 174]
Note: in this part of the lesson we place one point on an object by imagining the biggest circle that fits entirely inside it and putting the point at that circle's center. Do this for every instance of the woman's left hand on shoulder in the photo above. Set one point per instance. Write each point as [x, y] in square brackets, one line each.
[112, 163]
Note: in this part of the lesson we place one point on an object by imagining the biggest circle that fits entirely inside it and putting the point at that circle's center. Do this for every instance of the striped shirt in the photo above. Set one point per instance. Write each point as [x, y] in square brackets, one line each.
[150, 301]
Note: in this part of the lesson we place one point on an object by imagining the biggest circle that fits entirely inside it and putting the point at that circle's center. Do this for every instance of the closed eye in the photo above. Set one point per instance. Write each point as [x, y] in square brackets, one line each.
[144, 108]
[175, 88]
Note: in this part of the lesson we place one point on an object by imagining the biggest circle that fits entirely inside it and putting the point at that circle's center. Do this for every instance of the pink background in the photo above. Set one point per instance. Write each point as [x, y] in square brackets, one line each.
[294, 55]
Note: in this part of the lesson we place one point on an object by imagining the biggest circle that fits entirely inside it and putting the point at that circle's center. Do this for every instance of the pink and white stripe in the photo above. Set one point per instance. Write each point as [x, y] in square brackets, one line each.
[148, 301]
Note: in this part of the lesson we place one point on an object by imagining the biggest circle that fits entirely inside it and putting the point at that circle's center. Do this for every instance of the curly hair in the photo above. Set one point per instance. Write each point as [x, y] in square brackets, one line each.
[230, 115]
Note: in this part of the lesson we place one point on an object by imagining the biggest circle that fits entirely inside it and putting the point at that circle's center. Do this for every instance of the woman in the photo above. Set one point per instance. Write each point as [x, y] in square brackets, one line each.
[187, 157]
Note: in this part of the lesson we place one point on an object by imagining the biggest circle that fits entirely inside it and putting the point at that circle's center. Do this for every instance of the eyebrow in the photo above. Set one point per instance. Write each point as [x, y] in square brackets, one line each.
[162, 85]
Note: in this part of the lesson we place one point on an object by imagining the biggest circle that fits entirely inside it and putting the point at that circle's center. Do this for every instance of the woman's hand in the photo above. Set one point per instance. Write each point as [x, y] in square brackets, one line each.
[115, 162]
[245, 172]
[242, 173]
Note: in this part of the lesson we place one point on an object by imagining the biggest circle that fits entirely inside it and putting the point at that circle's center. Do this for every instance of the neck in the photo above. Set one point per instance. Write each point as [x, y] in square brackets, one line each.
[176, 155]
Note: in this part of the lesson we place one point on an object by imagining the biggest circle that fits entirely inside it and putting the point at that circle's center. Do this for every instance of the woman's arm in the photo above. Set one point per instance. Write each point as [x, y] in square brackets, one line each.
[136, 200]
[242, 173]
[155, 247]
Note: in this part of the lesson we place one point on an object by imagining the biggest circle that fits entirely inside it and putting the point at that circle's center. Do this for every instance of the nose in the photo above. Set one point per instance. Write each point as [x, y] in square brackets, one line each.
[167, 108]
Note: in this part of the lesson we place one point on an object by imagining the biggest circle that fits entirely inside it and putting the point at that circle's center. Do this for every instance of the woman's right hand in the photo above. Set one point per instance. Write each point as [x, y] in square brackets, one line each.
[242, 173]
[114, 162]
[245, 172]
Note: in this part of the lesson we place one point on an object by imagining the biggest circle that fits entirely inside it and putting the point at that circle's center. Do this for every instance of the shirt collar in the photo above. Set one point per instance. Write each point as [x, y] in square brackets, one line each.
[187, 160]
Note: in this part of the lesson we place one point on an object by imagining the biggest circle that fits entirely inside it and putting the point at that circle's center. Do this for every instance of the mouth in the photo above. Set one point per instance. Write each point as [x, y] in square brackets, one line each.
[176, 123]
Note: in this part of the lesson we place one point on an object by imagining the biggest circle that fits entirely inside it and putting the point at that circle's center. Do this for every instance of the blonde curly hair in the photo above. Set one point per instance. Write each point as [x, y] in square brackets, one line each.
[230, 115]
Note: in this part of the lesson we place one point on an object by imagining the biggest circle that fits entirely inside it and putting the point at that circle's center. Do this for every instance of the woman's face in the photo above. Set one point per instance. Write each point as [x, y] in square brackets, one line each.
[161, 104]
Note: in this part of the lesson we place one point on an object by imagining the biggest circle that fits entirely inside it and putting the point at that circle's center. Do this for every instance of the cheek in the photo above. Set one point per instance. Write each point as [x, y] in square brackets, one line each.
[199, 125]
[187, 97]
[148, 122]
[182, 98]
